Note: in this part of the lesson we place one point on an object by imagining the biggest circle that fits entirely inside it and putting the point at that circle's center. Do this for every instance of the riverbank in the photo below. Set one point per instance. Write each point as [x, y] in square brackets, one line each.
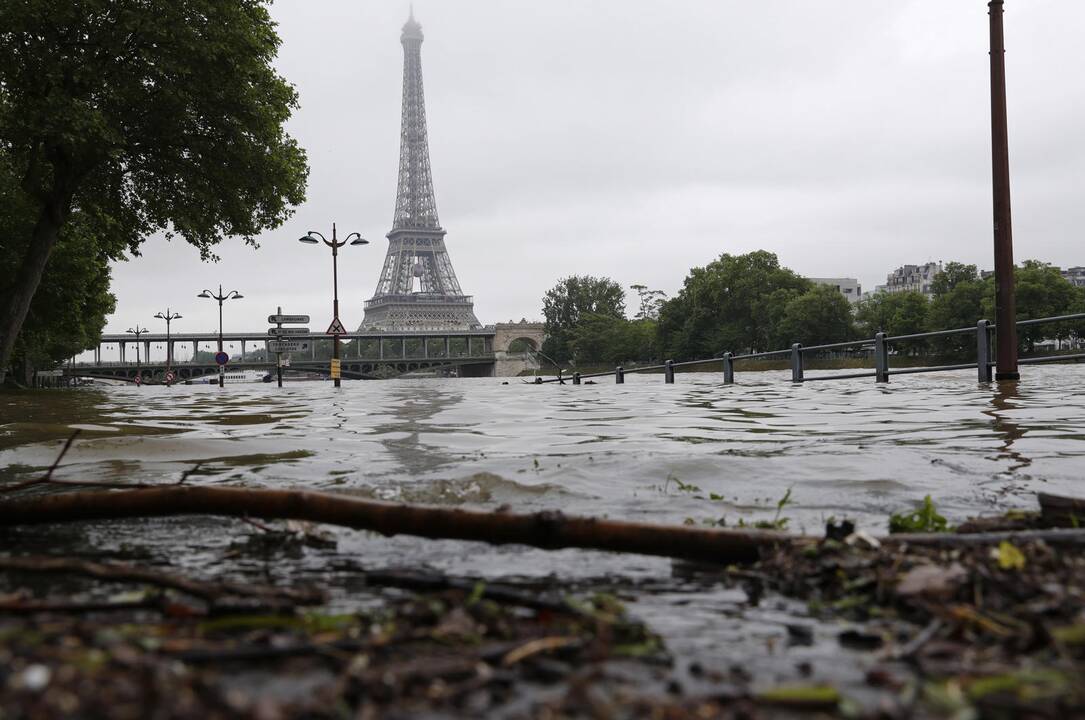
[986, 626]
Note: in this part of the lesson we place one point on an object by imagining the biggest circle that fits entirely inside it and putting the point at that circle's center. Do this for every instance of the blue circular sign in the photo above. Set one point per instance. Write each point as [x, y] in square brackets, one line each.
[221, 358]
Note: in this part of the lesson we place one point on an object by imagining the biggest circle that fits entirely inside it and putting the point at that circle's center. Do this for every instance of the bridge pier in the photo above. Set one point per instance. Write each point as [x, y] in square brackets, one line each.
[195, 349]
[242, 351]
[146, 351]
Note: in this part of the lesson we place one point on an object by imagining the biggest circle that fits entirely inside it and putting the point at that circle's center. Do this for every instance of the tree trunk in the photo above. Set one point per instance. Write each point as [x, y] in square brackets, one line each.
[17, 303]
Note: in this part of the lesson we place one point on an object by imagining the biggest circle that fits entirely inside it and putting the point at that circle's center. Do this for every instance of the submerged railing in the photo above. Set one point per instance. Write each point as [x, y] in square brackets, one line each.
[880, 343]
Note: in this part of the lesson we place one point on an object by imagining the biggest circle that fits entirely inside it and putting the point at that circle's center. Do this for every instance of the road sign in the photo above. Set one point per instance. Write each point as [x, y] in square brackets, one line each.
[139, 380]
[288, 318]
[288, 331]
[169, 376]
[337, 371]
[281, 346]
[221, 358]
[336, 328]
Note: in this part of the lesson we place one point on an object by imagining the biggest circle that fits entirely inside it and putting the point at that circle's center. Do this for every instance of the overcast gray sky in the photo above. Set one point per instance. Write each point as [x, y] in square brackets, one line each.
[636, 139]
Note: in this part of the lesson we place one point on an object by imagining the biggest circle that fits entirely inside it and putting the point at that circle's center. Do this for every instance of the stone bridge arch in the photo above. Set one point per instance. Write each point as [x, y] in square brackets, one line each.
[505, 334]
[507, 362]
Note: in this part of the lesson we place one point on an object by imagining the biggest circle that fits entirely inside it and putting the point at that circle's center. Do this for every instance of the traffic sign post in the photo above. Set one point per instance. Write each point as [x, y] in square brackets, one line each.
[278, 345]
[337, 371]
[287, 346]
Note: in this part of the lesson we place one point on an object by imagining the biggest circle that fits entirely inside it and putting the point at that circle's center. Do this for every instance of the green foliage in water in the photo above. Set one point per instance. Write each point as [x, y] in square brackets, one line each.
[924, 519]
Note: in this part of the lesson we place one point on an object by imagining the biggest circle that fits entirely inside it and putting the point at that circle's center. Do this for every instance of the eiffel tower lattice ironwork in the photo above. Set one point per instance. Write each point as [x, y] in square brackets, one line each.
[418, 289]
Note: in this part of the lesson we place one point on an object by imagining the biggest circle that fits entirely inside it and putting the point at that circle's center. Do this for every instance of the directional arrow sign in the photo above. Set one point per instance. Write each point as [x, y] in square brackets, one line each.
[288, 318]
[278, 346]
[288, 331]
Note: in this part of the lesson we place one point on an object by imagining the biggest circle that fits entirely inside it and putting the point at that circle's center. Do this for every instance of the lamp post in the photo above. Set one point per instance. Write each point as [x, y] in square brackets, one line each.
[1005, 302]
[232, 295]
[137, 331]
[168, 317]
[336, 326]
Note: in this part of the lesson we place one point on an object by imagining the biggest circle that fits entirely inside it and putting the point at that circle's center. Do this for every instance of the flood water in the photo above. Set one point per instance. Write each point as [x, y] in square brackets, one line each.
[644, 451]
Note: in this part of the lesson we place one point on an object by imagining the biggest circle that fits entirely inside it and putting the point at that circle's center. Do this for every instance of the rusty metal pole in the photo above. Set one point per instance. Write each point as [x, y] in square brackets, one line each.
[1005, 305]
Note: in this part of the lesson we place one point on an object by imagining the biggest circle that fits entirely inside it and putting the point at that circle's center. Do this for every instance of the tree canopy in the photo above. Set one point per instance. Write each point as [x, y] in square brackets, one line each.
[733, 303]
[161, 115]
[573, 299]
[819, 315]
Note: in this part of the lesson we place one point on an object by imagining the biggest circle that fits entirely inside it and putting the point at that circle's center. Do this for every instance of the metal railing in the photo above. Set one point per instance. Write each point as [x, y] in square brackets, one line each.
[880, 343]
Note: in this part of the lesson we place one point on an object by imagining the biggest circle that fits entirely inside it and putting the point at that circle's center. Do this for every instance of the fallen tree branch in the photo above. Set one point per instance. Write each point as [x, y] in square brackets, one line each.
[120, 572]
[1058, 537]
[548, 529]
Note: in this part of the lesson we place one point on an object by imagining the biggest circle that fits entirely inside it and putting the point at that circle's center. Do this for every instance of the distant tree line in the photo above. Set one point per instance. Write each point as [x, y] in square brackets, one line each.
[750, 303]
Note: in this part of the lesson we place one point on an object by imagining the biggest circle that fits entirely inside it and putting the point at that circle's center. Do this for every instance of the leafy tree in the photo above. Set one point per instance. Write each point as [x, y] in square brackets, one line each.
[73, 299]
[899, 313]
[958, 302]
[1041, 291]
[604, 339]
[163, 115]
[733, 303]
[650, 302]
[820, 315]
[952, 274]
[572, 299]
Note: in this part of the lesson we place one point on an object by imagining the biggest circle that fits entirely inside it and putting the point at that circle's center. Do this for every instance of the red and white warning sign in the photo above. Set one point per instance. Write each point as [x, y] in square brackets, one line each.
[169, 376]
[139, 379]
[336, 328]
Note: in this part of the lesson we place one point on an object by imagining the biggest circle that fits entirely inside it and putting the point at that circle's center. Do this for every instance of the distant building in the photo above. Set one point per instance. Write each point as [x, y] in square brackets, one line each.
[848, 287]
[1076, 275]
[917, 278]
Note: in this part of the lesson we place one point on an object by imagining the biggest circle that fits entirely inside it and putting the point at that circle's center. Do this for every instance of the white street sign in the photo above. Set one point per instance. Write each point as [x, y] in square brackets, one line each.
[281, 346]
[288, 331]
[288, 318]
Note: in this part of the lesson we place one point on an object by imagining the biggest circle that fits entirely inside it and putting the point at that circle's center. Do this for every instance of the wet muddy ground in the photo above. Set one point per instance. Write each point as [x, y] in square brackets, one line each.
[839, 628]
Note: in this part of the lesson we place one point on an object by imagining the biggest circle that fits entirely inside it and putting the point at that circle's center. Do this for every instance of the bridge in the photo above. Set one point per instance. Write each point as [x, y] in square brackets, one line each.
[503, 350]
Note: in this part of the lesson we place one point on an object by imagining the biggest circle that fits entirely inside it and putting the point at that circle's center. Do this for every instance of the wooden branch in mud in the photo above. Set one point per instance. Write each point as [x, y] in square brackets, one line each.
[1058, 537]
[120, 572]
[549, 529]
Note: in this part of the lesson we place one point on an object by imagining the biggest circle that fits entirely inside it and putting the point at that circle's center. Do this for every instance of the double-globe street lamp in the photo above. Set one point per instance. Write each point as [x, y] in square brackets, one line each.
[336, 326]
[137, 331]
[221, 297]
[168, 317]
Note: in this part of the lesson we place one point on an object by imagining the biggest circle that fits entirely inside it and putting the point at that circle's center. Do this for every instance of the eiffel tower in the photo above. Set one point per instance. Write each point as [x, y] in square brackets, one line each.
[418, 289]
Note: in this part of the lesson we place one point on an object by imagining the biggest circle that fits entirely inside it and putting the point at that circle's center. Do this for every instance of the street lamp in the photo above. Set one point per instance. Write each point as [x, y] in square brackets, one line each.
[336, 326]
[168, 317]
[137, 331]
[232, 295]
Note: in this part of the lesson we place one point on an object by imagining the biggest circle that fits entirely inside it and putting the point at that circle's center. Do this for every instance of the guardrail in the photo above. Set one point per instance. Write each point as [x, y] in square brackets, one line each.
[880, 343]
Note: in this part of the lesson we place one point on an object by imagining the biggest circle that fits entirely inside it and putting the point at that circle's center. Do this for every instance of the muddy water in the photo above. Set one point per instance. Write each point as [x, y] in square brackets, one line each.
[695, 450]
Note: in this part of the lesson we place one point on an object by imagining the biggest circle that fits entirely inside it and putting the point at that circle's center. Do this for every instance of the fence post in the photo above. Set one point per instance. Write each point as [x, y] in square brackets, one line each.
[796, 362]
[619, 375]
[668, 372]
[983, 350]
[576, 378]
[728, 368]
[881, 359]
